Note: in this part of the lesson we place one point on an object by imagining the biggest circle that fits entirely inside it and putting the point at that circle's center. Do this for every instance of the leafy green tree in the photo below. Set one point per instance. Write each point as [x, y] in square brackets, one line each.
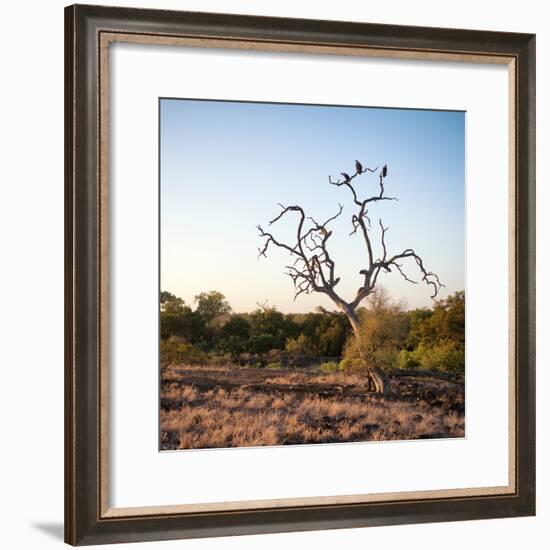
[234, 335]
[326, 332]
[448, 320]
[439, 338]
[178, 319]
[417, 321]
[269, 328]
[261, 343]
[211, 305]
[321, 333]
[236, 326]
[186, 324]
[170, 303]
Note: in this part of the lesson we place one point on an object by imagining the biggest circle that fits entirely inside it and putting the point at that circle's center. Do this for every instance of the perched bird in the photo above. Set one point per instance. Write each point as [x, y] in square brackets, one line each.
[346, 176]
[385, 171]
[358, 166]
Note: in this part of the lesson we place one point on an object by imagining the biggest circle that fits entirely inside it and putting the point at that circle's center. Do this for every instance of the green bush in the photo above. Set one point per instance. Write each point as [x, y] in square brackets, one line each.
[322, 333]
[346, 364]
[329, 366]
[261, 343]
[269, 330]
[276, 365]
[407, 360]
[231, 345]
[383, 332]
[175, 352]
[444, 356]
[350, 364]
[298, 345]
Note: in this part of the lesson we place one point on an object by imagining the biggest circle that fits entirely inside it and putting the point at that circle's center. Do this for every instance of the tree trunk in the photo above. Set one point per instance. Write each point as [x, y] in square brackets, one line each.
[378, 382]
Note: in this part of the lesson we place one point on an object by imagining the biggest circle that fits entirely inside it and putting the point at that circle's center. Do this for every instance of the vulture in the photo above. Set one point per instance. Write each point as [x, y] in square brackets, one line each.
[358, 166]
[385, 171]
[346, 176]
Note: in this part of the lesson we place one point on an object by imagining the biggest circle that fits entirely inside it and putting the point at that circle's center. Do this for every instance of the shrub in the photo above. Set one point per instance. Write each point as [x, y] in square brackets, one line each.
[231, 345]
[177, 319]
[382, 355]
[322, 333]
[298, 345]
[383, 332]
[234, 335]
[276, 365]
[407, 360]
[173, 352]
[269, 329]
[329, 366]
[444, 356]
[261, 343]
[346, 364]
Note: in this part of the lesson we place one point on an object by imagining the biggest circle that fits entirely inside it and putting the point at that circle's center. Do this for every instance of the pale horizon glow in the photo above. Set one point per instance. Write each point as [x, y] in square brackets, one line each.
[225, 166]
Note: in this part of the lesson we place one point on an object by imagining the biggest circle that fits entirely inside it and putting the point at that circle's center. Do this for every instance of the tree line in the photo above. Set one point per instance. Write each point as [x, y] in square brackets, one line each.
[392, 337]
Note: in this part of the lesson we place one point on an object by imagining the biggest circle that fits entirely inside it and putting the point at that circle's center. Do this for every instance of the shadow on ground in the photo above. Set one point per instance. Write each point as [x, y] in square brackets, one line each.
[53, 530]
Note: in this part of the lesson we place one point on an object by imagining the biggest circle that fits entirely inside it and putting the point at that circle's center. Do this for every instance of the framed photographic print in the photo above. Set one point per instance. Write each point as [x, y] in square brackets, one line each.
[300, 275]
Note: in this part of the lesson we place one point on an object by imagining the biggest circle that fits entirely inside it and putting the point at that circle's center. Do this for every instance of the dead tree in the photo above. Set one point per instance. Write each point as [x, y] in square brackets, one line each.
[313, 269]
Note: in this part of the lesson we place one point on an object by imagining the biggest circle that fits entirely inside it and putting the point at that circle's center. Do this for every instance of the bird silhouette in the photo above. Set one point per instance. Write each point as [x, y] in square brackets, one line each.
[346, 176]
[358, 166]
[385, 171]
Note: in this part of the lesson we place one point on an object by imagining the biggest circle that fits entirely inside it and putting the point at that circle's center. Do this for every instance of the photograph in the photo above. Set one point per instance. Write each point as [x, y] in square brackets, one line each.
[312, 274]
[299, 275]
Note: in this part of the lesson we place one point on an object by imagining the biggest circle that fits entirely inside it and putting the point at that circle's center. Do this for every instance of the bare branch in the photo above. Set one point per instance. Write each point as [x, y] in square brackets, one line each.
[263, 306]
[286, 209]
[428, 277]
[383, 239]
[398, 266]
[313, 269]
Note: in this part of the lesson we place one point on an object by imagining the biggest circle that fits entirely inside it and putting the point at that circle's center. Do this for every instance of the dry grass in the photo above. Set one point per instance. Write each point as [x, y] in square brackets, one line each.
[206, 407]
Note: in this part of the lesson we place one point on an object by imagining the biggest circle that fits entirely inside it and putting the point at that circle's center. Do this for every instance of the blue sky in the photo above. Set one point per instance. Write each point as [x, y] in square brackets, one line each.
[225, 166]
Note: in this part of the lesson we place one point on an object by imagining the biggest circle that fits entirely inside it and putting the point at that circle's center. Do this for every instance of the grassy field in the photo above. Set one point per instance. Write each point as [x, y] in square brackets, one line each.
[215, 407]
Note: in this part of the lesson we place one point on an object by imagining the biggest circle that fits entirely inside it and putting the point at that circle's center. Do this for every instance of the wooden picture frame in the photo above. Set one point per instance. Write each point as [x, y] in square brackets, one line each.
[89, 31]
